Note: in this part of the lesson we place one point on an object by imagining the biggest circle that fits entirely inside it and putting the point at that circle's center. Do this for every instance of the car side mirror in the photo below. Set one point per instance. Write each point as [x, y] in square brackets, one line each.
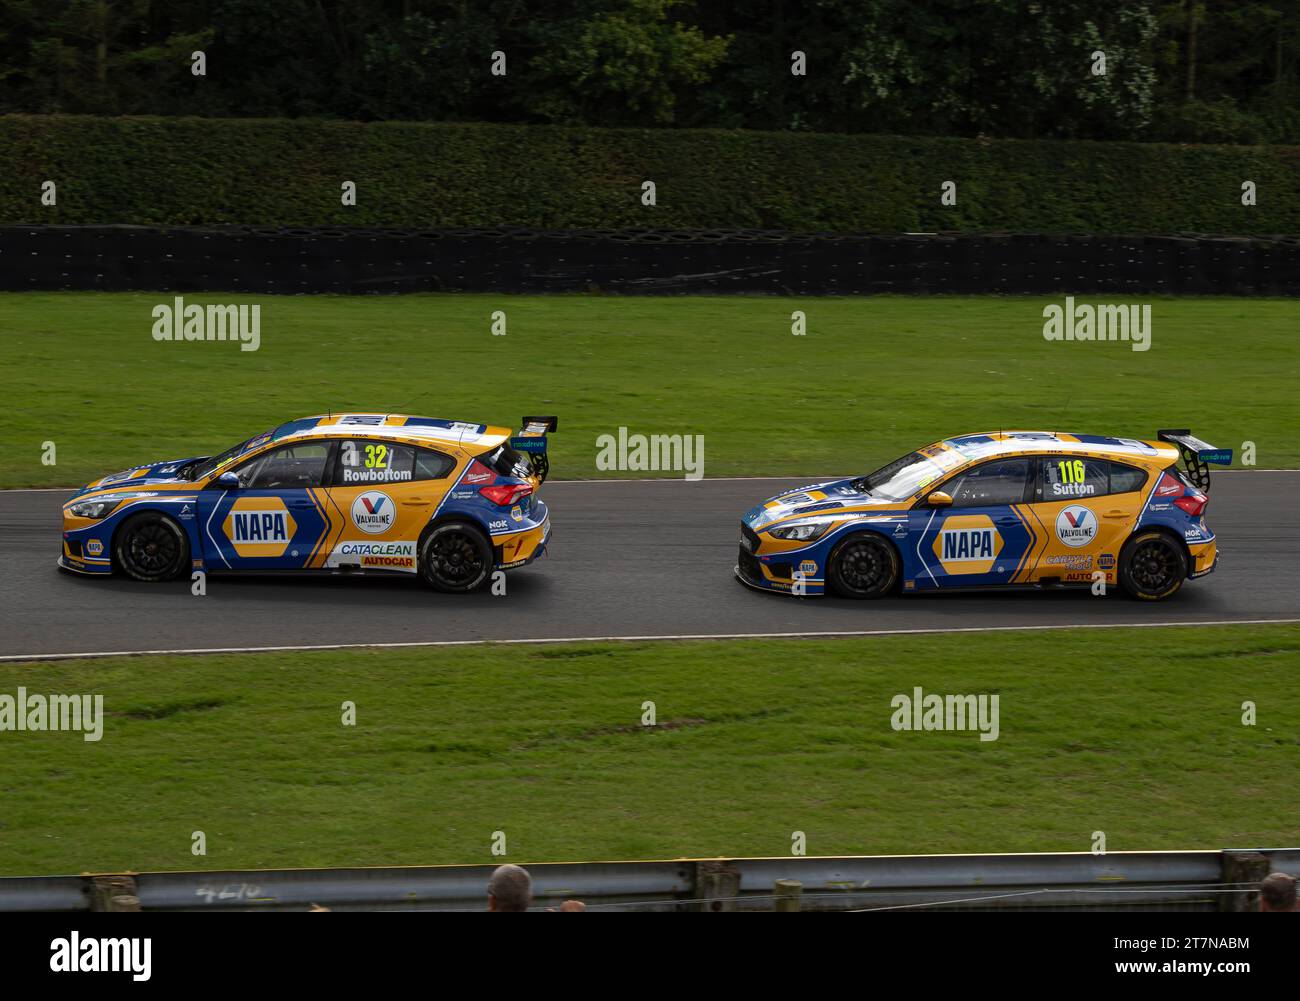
[939, 499]
[227, 481]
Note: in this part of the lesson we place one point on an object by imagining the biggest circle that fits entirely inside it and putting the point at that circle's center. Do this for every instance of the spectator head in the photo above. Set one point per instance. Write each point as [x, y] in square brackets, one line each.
[1277, 892]
[510, 889]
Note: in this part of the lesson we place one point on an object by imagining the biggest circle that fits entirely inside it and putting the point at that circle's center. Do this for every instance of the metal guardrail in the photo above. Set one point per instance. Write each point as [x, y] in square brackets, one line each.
[1117, 880]
[43, 893]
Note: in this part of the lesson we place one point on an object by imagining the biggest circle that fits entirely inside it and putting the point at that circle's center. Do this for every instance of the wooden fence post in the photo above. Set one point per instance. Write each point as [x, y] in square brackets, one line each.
[113, 893]
[717, 884]
[1242, 867]
[789, 895]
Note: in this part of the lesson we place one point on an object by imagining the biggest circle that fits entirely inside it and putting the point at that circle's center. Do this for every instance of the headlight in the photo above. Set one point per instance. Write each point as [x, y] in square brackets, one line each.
[806, 532]
[92, 509]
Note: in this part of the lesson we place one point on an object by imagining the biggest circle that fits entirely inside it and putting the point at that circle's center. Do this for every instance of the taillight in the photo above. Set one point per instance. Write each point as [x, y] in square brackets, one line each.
[1193, 505]
[506, 494]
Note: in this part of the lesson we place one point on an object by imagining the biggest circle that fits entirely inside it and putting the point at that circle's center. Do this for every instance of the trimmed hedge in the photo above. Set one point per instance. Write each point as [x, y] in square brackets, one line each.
[191, 171]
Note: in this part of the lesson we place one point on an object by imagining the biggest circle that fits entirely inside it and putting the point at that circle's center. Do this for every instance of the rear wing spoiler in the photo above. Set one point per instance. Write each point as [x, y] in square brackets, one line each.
[531, 440]
[1197, 455]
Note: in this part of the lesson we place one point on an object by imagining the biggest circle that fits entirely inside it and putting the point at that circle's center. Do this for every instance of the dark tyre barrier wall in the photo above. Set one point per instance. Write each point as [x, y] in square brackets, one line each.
[645, 262]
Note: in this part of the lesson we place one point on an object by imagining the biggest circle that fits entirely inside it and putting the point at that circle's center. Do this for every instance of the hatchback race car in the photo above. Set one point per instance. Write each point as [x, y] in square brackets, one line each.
[449, 501]
[1001, 509]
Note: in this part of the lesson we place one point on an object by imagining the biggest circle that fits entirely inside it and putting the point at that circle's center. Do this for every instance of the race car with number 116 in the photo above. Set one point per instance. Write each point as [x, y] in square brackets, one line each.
[1033, 509]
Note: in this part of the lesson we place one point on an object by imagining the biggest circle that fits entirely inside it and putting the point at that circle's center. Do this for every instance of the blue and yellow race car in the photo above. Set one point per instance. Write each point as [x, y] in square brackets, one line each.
[449, 501]
[1005, 508]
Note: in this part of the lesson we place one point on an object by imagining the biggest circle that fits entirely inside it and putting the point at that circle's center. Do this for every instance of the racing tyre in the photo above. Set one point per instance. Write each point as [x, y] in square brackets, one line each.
[150, 546]
[863, 566]
[455, 557]
[1152, 566]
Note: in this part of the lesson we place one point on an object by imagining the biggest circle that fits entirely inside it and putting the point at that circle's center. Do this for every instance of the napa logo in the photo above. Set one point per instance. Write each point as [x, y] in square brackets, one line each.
[968, 544]
[259, 526]
[373, 512]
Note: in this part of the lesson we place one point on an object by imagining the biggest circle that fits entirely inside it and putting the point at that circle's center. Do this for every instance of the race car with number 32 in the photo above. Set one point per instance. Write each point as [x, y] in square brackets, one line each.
[1033, 509]
[449, 501]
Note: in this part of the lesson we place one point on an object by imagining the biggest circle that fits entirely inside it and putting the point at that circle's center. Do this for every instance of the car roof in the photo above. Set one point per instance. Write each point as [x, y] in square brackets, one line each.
[988, 444]
[395, 427]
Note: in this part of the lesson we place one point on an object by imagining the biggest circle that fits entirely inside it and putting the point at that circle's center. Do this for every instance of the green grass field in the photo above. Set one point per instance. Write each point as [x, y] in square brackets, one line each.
[873, 377]
[1134, 732]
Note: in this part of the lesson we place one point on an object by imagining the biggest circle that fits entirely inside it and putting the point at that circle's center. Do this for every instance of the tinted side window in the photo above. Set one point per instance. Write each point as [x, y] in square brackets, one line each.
[289, 468]
[431, 465]
[1125, 479]
[1066, 477]
[363, 462]
[999, 482]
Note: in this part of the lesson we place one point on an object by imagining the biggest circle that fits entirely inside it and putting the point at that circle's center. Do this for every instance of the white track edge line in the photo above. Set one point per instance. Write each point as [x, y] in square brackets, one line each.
[542, 640]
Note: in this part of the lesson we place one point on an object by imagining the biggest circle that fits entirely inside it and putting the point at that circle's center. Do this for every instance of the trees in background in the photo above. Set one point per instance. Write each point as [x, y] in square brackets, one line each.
[1229, 71]
[1184, 70]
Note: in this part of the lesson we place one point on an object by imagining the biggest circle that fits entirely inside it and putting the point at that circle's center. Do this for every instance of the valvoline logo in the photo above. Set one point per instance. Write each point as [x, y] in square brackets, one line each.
[373, 512]
[1076, 526]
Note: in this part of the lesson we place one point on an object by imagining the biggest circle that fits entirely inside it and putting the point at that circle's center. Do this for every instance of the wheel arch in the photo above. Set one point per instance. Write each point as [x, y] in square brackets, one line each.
[443, 517]
[126, 514]
[839, 538]
[471, 523]
[851, 532]
[1169, 533]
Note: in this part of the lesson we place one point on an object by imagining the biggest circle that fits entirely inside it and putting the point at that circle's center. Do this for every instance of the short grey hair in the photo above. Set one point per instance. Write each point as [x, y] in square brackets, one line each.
[1279, 891]
[511, 887]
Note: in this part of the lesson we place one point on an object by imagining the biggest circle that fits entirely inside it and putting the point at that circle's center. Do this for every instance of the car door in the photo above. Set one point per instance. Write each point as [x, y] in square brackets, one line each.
[384, 493]
[1086, 508]
[277, 518]
[983, 537]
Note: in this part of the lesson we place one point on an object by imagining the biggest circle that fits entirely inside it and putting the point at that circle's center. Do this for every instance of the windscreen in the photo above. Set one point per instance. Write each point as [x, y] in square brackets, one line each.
[901, 478]
[208, 466]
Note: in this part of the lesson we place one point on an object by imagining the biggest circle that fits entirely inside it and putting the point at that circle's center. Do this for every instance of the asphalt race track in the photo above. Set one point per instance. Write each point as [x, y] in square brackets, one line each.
[628, 559]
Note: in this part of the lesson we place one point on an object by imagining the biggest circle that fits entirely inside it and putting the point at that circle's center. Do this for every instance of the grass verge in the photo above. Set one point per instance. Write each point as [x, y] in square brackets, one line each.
[1134, 732]
[872, 378]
